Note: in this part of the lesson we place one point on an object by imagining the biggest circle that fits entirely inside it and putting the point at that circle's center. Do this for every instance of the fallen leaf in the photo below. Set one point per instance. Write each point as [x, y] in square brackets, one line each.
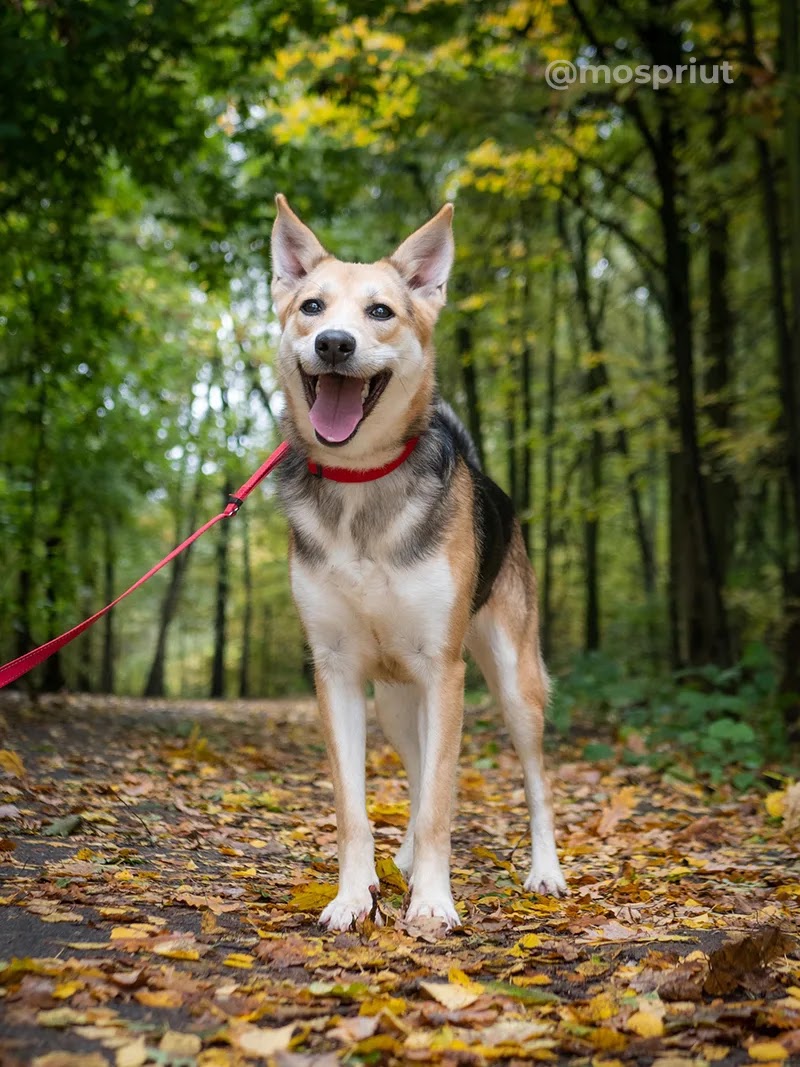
[62, 827]
[747, 954]
[645, 1023]
[60, 1018]
[620, 808]
[767, 1051]
[175, 1043]
[354, 1029]
[257, 1041]
[239, 959]
[11, 763]
[159, 998]
[133, 1054]
[451, 996]
[70, 1059]
[312, 897]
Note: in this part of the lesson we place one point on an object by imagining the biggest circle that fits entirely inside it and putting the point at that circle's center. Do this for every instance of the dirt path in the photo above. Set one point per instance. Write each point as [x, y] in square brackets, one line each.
[162, 866]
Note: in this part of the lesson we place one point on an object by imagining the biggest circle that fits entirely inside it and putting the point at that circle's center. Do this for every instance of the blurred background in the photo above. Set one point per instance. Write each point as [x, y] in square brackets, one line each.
[622, 335]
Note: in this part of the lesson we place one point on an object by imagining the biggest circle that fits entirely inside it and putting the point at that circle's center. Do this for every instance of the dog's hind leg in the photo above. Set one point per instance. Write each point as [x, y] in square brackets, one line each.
[504, 640]
[397, 708]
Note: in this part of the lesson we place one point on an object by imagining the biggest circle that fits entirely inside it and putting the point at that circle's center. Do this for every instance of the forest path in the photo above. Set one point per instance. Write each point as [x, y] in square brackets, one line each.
[162, 865]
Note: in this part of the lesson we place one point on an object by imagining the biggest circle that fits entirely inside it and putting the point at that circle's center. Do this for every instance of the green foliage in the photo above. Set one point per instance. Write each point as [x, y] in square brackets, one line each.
[723, 726]
[141, 147]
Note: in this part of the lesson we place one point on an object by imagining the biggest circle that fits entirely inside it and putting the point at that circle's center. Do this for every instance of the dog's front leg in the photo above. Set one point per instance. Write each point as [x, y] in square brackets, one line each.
[440, 741]
[343, 709]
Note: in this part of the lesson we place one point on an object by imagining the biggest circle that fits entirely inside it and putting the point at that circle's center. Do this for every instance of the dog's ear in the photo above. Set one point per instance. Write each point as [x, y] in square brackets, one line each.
[424, 259]
[295, 249]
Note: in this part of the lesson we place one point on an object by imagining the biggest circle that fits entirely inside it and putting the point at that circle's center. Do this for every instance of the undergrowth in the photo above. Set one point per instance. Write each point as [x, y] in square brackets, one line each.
[720, 724]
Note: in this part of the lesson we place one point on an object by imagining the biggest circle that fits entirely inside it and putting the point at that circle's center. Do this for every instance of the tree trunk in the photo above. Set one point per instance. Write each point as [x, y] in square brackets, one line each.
[155, 685]
[593, 381]
[722, 491]
[526, 429]
[247, 615]
[53, 678]
[698, 610]
[549, 473]
[790, 68]
[511, 437]
[787, 335]
[466, 359]
[109, 584]
[221, 604]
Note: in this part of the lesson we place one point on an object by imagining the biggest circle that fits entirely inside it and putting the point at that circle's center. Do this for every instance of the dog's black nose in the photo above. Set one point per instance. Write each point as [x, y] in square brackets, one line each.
[334, 346]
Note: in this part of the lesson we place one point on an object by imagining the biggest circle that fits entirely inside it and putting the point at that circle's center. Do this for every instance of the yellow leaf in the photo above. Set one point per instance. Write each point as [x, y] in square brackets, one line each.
[394, 1005]
[767, 1051]
[136, 931]
[390, 876]
[453, 997]
[311, 897]
[598, 1009]
[60, 1017]
[64, 990]
[239, 959]
[603, 1037]
[11, 763]
[159, 998]
[256, 1042]
[70, 1059]
[133, 1054]
[244, 872]
[505, 865]
[774, 803]
[458, 977]
[177, 949]
[527, 942]
[176, 1044]
[389, 814]
[645, 1024]
[215, 1057]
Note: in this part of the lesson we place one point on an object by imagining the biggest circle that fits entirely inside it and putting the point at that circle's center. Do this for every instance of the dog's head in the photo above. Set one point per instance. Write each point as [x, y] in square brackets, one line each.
[356, 360]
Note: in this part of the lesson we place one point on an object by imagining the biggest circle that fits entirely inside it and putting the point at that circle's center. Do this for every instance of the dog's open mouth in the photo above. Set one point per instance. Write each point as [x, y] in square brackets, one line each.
[338, 403]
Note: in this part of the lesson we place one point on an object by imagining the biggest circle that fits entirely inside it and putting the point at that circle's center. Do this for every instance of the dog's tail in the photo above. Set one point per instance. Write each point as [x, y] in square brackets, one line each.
[464, 443]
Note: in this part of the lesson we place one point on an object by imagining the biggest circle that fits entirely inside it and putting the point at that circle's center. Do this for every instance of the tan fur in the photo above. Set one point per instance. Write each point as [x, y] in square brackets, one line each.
[460, 548]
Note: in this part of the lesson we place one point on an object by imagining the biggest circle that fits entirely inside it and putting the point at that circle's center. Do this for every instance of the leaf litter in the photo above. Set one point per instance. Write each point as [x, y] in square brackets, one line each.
[163, 866]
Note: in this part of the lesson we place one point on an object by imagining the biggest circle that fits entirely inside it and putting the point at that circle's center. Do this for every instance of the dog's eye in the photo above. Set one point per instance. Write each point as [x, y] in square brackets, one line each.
[312, 307]
[380, 311]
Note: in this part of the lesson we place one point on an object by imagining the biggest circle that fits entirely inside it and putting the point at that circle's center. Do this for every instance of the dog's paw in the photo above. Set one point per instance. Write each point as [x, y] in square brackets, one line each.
[546, 880]
[430, 907]
[348, 908]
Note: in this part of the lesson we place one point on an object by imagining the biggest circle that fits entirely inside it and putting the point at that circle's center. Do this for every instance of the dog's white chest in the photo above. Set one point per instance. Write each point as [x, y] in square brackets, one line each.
[389, 620]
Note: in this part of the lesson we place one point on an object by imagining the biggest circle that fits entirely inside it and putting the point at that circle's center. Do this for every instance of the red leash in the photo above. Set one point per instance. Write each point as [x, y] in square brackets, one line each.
[9, 672]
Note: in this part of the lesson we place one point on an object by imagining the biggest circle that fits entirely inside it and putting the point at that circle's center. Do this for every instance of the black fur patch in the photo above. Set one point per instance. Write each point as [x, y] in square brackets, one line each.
[494, 522]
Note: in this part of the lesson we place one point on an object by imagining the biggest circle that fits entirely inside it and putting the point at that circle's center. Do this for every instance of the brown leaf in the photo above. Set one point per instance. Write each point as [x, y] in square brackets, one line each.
[729, 964]
[620, 808]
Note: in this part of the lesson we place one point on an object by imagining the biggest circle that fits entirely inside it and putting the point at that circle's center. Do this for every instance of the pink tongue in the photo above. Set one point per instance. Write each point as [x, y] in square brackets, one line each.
[338, 409]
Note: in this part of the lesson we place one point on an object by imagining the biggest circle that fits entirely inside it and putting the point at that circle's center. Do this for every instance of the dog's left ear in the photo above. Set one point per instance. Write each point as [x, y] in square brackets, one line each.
[424, 259]
[295, 249]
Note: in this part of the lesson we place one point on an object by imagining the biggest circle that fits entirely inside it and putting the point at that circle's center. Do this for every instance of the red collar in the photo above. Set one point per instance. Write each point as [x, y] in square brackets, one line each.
[371, 474]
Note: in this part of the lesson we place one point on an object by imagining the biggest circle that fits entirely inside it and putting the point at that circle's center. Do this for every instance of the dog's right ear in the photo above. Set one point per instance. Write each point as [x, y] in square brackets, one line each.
[295, 249]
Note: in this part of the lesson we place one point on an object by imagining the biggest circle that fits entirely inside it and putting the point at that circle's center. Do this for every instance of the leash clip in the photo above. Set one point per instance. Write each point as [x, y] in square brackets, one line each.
[236, 502]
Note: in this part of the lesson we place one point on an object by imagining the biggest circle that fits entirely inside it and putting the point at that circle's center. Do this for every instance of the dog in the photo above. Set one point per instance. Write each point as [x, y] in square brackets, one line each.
[402, 554]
